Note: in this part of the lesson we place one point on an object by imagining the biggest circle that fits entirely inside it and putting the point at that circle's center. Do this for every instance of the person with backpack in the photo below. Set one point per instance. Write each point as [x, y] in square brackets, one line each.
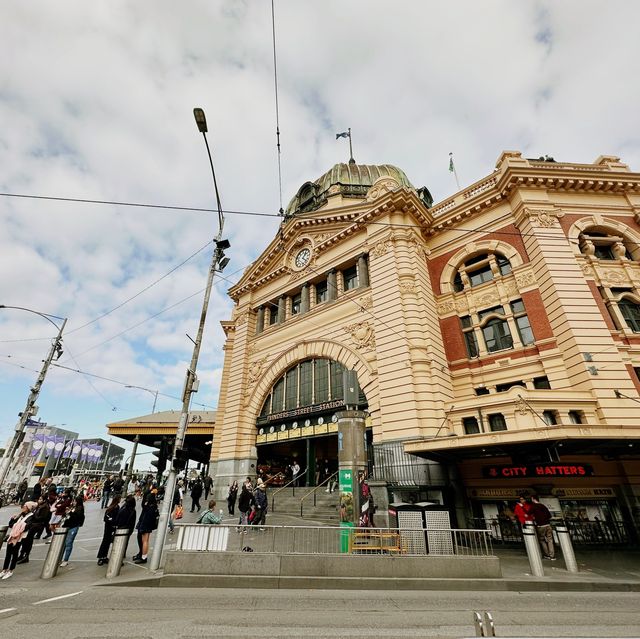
[73, 523]
[126, 517]
[196, 493]
[244, 504]
[19, 525]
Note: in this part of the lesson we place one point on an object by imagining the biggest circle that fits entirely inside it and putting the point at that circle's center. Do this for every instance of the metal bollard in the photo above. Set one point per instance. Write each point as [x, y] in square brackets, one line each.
[3, 534]
[567, 549]
[533, 550]
[52, 560]
[118, 549]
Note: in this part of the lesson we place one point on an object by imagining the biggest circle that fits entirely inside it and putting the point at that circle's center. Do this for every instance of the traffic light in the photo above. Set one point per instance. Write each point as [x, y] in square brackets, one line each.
[162, 454]
[180, 459]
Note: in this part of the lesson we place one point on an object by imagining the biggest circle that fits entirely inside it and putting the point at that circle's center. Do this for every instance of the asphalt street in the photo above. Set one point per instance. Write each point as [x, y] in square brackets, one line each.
[77, 604]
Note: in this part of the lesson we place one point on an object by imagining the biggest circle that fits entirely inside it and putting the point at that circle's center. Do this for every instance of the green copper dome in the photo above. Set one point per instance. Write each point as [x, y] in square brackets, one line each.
[353, 181]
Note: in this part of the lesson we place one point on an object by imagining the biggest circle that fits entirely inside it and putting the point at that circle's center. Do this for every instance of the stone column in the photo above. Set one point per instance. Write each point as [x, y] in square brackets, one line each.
[332, 285]
[282, 310]
[260, 320]
[352, 458]
[363, 271]
[304, 299]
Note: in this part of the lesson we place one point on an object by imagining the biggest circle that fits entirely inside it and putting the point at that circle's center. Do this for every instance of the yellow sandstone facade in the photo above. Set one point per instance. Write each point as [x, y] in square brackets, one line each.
[498, 329]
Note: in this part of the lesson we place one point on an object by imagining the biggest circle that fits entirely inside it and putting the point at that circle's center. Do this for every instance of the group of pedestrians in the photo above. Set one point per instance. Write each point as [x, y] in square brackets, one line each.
[253, 504]
[48, 513]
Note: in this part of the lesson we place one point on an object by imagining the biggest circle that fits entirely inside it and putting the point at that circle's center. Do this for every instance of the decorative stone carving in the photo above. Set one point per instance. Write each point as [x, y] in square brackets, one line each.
[511, 289]
[321, 237]
[445, 307]
[614, 277]
[381, 248]
[253, 375]
[408, 286]
[486, 299]
[252, 349]
[362, 335]
[242, 318]
[543, 217]
[587, 270]
[383, 185]
[525, 279]
[365, 302]
[521, 406]
[462, 305]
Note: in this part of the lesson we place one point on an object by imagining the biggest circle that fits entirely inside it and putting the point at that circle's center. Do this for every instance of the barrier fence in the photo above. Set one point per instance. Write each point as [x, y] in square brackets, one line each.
[333, 540]
[583, 533]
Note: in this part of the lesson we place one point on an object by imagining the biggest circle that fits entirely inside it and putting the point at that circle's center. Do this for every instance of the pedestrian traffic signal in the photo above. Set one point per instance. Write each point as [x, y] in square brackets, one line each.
[180, 459]
[162, 454]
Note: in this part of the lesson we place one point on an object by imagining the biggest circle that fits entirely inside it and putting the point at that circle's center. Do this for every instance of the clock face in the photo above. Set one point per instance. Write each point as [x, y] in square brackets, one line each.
[303, 257]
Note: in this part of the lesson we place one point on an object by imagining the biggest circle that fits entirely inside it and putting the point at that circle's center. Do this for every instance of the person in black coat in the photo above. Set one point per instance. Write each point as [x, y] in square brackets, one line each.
[126, 517]
[110, 517]
[147, 523]
[196, 493]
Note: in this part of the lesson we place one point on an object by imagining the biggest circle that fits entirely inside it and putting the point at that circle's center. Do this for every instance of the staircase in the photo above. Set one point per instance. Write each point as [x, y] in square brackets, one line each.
[325, 510]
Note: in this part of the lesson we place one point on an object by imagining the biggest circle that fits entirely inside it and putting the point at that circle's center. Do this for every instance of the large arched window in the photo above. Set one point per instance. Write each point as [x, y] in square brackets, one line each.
[480, 269]
[309, 382]
[631, 313]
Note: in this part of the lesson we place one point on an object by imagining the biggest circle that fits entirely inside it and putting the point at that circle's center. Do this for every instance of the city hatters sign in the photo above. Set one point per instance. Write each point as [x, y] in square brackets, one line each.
[536, 471]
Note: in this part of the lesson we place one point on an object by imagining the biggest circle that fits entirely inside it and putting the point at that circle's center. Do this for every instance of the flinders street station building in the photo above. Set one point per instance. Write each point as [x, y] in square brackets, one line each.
[495, 336]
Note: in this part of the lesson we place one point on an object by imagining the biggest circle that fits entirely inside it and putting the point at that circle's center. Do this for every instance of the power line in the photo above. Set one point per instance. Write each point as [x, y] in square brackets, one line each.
[101, 377]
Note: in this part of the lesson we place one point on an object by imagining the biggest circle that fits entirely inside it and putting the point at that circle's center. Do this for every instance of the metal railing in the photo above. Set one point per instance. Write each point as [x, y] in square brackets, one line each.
[313, 540]
[582, 533]
[293, 481]
[315, 490]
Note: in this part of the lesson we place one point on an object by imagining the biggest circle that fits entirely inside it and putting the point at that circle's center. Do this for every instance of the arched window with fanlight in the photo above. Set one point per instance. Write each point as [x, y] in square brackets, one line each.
[630, 311]
[480, 269]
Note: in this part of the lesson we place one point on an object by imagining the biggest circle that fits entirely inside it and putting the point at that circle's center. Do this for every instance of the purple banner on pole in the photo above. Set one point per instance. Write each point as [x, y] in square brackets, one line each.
[98, 452]
[84, 454]
[49, 444]
[37, 445]
[66, 453]
[75, 450]
[58, 448]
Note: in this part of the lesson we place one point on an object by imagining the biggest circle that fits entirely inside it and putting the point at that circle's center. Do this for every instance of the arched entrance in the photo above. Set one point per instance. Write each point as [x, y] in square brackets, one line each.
[298, 421]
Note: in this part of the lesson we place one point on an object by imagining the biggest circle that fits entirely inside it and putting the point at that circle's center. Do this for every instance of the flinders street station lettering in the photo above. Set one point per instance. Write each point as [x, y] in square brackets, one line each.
[529, 471]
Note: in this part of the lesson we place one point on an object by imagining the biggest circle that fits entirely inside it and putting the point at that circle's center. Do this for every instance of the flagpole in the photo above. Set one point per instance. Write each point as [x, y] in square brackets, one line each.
[351, 160]
[452, 168]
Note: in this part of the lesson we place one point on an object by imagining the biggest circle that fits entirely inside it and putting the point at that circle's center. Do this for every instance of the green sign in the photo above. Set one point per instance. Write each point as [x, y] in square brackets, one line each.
[346, 481]
[346, 495]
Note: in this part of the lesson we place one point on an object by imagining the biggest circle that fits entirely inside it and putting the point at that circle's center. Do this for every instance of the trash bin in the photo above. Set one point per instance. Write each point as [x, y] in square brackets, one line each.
[413, 521]
[346, 530]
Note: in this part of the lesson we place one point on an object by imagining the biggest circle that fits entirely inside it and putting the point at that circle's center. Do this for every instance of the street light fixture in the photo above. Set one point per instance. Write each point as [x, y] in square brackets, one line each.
[154, 393]
[179, 454]
[31, 409]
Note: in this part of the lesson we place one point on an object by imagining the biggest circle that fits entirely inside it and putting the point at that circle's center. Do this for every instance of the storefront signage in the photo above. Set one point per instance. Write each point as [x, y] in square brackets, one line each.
[583, 493]
[306, 410]
[494, 493]
[536, 471]
[321, 429]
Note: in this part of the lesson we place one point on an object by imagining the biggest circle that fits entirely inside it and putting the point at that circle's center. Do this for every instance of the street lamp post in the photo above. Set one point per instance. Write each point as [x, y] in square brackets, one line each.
[30, 409]
[154, 393]
[191, 383]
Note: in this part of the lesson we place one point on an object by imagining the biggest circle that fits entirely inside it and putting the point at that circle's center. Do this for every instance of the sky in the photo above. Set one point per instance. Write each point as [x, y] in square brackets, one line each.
[96, 103]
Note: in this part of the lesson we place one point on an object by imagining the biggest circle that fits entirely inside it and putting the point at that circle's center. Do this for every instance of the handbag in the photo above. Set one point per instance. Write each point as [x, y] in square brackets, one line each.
[179, 512]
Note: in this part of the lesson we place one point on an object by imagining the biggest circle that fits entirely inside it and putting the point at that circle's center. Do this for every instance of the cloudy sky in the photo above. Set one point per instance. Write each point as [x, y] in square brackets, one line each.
[96, 103]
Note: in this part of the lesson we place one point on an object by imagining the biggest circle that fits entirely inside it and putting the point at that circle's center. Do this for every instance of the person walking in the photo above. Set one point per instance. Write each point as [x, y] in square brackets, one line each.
[244, 503]
[118, 485]
[196, 493]
[232, 497]
[542, 520]
[106, 492]
[109, 519]
[19, 525]
[73, 523]
[147, 523]
[175, 505]
[208, 484]
[210, 516]
[261, 505]
[39, 521]
[37, 491]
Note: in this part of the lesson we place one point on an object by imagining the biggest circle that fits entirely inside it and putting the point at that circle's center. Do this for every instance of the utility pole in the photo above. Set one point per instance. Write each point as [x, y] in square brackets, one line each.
[191, 383]
[30, 409]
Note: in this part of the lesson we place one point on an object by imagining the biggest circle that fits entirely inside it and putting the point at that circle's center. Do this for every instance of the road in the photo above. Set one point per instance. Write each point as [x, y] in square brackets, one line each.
[75, 605]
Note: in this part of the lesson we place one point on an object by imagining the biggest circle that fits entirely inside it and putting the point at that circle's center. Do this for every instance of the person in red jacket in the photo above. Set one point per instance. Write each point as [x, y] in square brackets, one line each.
[522, 511]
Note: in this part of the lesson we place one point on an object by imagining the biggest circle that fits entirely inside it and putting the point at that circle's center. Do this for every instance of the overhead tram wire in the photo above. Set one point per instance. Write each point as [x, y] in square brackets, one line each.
[273, 215]
[277, 105]
[106, 379]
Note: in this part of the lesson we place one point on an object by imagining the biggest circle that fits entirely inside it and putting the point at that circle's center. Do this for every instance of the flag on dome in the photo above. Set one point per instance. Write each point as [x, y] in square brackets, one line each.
[344, 134]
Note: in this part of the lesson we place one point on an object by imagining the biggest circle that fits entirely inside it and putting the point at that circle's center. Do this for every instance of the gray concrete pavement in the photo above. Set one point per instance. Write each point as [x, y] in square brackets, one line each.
[136, 612]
